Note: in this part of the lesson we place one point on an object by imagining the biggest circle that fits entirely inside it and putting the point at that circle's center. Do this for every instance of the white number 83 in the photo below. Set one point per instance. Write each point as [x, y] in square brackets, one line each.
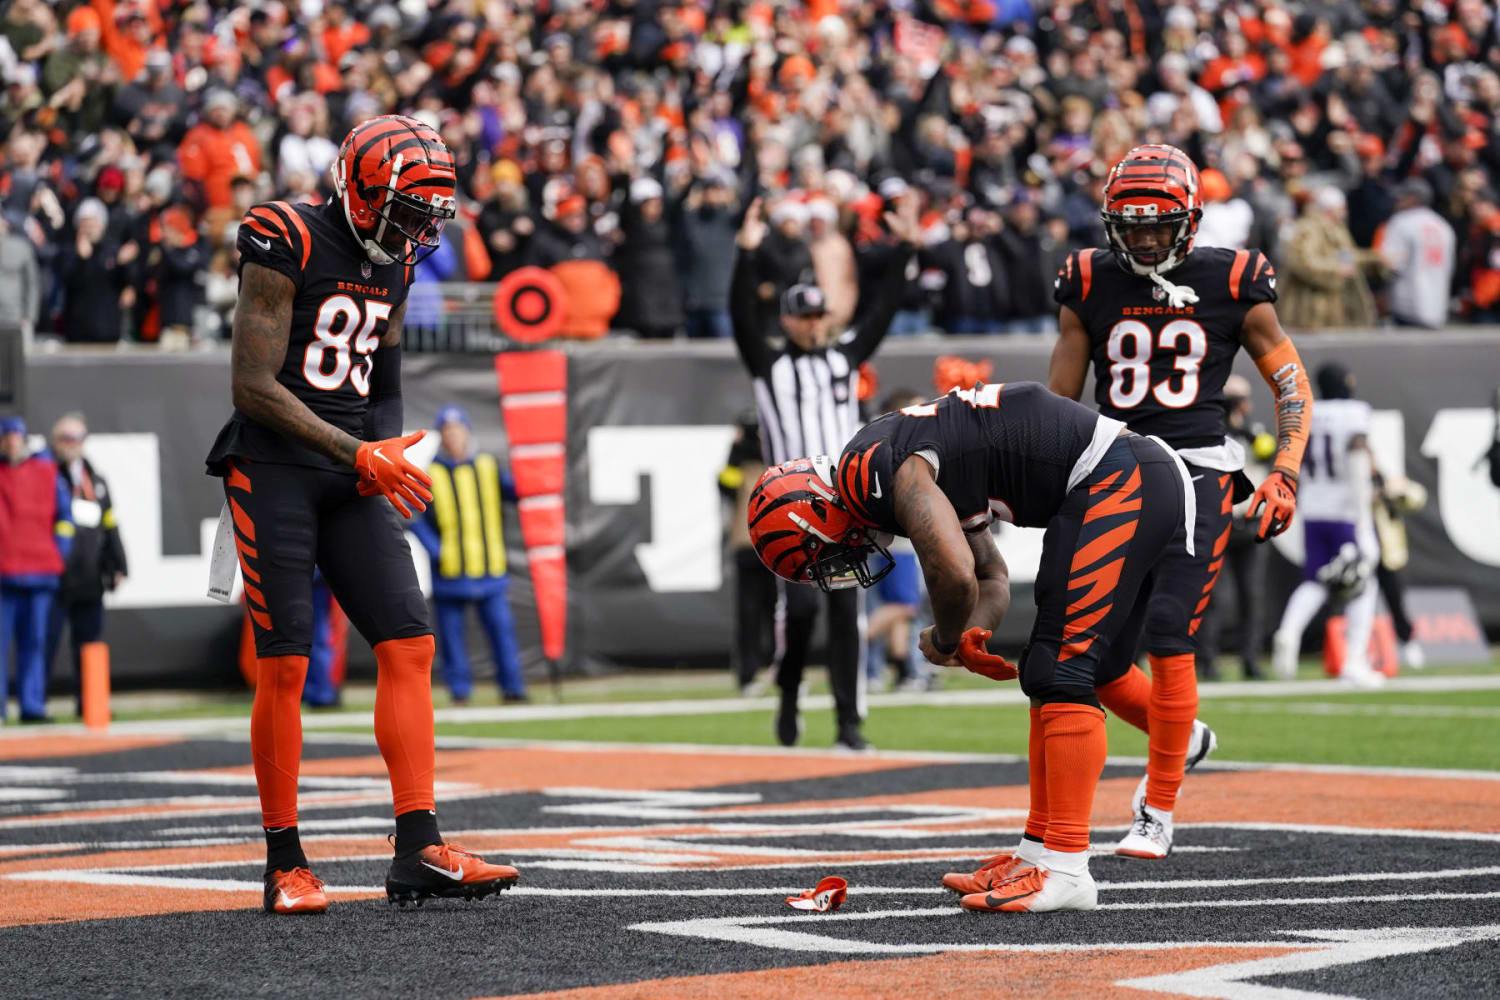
[1129, 351]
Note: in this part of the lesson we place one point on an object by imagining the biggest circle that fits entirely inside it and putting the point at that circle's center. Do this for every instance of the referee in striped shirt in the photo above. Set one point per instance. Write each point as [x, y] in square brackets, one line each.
[805, 393]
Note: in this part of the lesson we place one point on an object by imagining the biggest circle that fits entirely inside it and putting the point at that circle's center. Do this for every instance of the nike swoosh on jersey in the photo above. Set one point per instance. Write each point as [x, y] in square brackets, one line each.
[876, 491]
[1197, 477]
[263, 244]
[455, 874]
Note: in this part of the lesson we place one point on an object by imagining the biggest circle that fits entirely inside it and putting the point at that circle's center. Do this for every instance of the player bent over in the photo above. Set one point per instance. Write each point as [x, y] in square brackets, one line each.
[939, 473]
[1161, 348]
[312, 462]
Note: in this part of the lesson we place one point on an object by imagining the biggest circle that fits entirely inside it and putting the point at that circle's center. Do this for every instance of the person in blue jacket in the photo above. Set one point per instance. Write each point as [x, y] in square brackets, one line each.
[463, 533]
[36, 535]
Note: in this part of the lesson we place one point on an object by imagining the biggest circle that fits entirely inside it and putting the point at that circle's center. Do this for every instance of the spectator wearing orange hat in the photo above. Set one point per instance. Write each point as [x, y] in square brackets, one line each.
[175, 259]
[1227, 218]
[1373, 199]
[78, 78]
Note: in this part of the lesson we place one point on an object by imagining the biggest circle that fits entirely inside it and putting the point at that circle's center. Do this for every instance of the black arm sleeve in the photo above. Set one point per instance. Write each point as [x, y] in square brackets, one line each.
[383, 416]
[744, 314]
[863, 338]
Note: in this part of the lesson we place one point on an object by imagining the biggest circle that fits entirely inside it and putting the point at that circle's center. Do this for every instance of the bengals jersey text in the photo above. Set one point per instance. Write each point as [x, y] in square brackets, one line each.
[341, 307]
[1158, 368]
[1007, 451]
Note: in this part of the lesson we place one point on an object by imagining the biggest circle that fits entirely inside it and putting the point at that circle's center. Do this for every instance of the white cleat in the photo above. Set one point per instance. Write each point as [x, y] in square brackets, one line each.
[1411, 656]
[1364, 678]
[1200, 744]
[1150, 835]
[1284, 649]
[1036, 890]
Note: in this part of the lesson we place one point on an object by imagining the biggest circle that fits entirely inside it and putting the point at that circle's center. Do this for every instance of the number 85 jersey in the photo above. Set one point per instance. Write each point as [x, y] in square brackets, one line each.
[1158, 368]
[341, 307]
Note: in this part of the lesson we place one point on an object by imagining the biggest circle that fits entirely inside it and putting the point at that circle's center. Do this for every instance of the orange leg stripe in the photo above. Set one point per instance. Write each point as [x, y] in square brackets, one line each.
[1081, 624]
[238, 480]
[1201, 605]
[1221, 543]
[1228, 504]
[246, 551]
[249, 573]
[1213, 569]
[1123, 500]
[1073, 649]
[1104, 484]
[1103, 545]
[242, 521]
[256, 597]
[261, 618]
[1101, 583]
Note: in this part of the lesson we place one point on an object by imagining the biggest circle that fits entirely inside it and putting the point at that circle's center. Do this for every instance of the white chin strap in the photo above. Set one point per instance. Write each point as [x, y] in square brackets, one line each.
[376, 253]
[1178, 296]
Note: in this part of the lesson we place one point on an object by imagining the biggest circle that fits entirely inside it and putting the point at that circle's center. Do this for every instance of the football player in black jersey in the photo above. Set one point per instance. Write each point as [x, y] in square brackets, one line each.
[939, 473]
[1161, 349]
[313, 463]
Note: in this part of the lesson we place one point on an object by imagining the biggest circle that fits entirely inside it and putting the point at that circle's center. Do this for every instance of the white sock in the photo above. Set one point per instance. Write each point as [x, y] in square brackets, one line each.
[1359, 620]
[1300, 608]
[1067, 862]
[1031, 851]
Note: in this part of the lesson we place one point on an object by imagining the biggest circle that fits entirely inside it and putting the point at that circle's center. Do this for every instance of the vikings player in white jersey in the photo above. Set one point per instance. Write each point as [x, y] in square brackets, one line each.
[1334, 500]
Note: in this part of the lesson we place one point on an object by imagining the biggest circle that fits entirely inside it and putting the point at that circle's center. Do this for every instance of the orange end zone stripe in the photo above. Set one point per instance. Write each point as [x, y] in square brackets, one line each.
[1241, 258]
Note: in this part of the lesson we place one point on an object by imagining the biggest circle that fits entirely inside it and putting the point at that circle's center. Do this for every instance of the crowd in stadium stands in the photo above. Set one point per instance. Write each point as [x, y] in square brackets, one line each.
[1357, 142]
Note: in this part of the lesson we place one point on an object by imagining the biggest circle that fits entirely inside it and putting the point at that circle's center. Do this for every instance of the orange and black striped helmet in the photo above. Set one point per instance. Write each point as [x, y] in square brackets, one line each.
[1153, 185]
[802, 532]
[394, 176]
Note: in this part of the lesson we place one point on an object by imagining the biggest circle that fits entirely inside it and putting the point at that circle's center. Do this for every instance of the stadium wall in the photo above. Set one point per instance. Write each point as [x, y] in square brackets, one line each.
[649, 428]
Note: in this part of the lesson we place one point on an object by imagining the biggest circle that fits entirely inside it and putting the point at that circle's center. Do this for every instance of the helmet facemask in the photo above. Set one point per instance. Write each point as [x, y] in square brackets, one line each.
[839, 565]
[1158, 260]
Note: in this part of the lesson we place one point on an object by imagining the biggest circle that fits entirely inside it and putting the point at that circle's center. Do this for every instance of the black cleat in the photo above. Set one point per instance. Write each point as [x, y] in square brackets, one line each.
[445, 871]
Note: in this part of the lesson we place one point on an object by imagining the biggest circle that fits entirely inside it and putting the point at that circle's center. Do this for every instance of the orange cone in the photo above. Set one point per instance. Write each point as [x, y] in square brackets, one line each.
[94, 657]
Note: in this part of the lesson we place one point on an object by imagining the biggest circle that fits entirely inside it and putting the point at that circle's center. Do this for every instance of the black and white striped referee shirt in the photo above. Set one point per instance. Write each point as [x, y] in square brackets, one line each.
[808, 401]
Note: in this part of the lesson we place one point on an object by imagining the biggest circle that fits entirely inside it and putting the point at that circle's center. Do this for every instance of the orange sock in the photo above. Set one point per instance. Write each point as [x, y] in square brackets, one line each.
[1128, 696]
[403, 719]
[1076, 747]
[1036, 765]
[276, 736]
[1174, 706]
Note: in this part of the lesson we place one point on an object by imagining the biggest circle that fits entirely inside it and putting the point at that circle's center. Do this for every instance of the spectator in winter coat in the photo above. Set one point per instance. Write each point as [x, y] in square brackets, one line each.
[505, 221]
[705, 231]
[92, 279]
[1418, 245]
[176, 261]
[1321, 282]
[1029, 263]
[218, 149]
[151, 108]
[20, 281]
[975, 292]
[36, 534]
[97, 562]
[652, 301]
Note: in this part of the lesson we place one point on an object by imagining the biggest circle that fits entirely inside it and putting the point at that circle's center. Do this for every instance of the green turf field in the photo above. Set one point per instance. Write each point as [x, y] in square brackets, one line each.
[1459, 729]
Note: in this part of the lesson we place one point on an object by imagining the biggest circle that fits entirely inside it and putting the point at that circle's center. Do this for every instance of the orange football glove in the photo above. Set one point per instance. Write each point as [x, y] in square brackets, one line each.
[1274, 502]
[383, 469]
[978, 660]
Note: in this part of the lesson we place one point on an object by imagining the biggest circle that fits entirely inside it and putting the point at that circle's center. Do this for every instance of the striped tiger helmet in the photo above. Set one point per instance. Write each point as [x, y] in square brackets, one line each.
[1152, 185]
[802, 532]
[395, 179]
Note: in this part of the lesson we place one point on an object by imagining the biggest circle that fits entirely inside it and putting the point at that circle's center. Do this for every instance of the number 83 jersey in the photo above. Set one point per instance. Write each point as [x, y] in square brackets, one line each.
[1158, 368]
[341, 307]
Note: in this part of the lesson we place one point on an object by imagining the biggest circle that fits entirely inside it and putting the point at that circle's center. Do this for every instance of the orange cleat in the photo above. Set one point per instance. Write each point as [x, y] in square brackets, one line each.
[993, 870]
[1036, 890]
[446, 871]
[296, 891]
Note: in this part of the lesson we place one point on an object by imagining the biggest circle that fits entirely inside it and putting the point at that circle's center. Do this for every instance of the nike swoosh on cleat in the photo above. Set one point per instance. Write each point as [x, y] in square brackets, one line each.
[456, 874]
[263, 244]
[288, 901]
[992, 901]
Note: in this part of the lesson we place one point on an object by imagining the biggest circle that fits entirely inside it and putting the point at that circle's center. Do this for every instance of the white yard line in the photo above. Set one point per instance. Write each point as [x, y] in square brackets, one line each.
[1000, 695]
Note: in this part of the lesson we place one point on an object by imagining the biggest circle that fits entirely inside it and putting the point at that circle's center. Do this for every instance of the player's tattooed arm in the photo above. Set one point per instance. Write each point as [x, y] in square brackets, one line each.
[262, 326]
[928, 519]
[1070, 355]
[1276, 357]
[993, 575]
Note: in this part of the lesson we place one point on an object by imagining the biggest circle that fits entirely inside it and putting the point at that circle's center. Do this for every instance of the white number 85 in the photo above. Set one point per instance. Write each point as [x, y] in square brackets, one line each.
[345, 313]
